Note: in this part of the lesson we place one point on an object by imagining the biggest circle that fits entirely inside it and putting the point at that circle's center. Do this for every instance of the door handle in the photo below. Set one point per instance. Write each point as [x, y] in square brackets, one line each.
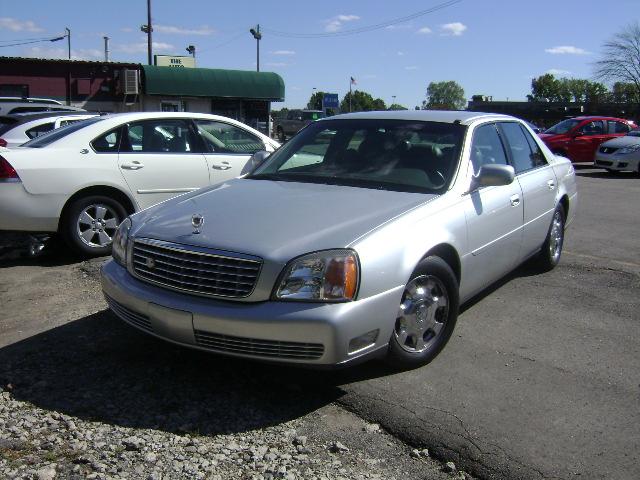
[551, 184]
[221, 166]
[515, 200]
[135, 165]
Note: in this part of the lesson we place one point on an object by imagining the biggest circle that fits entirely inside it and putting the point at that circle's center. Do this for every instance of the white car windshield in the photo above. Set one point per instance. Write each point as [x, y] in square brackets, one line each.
[401, 155]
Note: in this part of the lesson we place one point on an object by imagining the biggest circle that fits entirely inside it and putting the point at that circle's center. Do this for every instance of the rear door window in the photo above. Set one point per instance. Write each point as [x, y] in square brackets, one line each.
[519, 149]
[220, 137]
[616, 127]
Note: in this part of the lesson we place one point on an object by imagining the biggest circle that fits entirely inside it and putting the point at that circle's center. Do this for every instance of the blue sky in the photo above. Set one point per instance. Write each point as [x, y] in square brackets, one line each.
[490, 47]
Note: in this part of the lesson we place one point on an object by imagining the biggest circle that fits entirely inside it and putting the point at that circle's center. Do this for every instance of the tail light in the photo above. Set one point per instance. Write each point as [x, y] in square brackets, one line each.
[7, 172]
[3, 142]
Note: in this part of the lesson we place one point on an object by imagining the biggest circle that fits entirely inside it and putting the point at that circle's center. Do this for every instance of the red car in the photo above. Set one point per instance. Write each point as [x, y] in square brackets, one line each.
[578, 138]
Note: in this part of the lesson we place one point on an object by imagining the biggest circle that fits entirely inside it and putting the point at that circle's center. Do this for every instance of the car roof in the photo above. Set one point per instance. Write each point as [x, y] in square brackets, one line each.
[443, 116]
[599, 117]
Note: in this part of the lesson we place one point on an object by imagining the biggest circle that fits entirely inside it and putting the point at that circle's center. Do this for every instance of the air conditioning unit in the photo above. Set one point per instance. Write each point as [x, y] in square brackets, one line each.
[129, 82]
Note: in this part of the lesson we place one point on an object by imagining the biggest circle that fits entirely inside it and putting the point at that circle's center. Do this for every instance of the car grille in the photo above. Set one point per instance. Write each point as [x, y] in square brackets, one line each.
[260, 348]
[201, 272]
[129, 316]
[604, 162]
[607, 149]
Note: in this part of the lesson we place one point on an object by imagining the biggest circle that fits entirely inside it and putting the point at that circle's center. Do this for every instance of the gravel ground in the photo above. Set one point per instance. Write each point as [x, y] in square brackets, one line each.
[83, 395]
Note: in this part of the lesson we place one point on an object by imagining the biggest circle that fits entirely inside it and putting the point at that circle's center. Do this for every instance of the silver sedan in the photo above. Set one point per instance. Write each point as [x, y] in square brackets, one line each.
[360, 237]
[620, 154]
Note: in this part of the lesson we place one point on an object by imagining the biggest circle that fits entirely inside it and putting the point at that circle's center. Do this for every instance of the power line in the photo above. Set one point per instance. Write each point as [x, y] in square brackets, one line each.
[25, 39]
[364, 29]
[33, 41]
[232, 39]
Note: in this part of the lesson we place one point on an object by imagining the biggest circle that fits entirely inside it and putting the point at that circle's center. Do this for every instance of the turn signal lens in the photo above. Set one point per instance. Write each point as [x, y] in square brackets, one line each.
[3, 142]
[329, 276]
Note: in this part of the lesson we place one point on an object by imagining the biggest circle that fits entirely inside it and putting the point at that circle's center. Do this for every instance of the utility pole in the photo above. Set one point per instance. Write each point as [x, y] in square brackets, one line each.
[257, 35]
[149, 30]
[106, 49]
[68, 35]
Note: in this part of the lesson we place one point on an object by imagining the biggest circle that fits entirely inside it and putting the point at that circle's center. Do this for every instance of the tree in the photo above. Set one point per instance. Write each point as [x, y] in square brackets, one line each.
[621, 57]
[315, 102]
[444, 96]
[545, 88]
[396, 106]
[624, 93]
[361, 102]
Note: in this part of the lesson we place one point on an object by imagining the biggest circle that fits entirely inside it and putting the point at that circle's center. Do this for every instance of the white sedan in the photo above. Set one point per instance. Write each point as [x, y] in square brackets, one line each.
[27, 129]
[82, 180]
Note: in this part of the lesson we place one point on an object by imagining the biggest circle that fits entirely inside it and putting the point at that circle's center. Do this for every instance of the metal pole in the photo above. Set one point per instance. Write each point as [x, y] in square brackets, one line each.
[149, 29]
[106, 49]
[68, 41]
[258, 48]
[350, 83]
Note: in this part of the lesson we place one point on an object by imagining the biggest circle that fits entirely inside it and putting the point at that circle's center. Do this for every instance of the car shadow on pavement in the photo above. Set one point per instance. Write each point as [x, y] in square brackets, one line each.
[100, 369]
[605, 174]
[15, 251]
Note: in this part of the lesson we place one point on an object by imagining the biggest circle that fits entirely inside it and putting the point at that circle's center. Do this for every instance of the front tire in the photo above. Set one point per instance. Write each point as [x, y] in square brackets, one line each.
[551, 251]
[426, 316]
[90, 224]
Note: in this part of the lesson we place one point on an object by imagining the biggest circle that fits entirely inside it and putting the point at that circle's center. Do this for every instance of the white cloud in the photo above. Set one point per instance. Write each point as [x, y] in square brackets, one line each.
[401, 54]
[14, 25]
[173, 30]
[411, 67]
[283, 52]
[62, 53]
[403, 26]
[455, 29]
[424, 31]
[141, 47]
[557, 71]
[566, 50]
[334, 24]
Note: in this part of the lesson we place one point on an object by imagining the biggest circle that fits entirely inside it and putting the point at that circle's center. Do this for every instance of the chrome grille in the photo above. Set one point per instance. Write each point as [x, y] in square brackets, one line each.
[257, 347]
[606, 163]
[128, 315]
[194, 270]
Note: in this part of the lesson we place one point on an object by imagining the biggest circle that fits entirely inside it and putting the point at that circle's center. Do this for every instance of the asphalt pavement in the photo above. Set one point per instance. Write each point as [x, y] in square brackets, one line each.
[541, 378]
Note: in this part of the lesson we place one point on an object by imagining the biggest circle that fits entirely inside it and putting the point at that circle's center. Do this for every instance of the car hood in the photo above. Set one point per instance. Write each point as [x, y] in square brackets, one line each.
[620, 142]
[275, 220]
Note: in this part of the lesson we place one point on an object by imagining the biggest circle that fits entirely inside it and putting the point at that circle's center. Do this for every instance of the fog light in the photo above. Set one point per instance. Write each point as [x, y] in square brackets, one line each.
[622, 164]
[363, 341]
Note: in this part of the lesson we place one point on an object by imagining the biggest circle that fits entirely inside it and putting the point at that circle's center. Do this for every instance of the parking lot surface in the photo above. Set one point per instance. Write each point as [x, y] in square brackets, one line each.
[540, 379]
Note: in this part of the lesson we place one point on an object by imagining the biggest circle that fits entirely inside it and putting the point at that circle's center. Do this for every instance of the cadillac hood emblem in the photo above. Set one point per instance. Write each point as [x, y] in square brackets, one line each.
[197, 220]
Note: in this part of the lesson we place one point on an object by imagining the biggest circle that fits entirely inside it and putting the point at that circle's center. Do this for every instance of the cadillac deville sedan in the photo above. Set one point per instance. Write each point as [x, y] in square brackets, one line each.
[360, 237]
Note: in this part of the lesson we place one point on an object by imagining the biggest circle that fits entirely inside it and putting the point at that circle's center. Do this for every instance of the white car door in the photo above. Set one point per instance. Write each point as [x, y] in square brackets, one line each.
[228, 148]
[494, 216]
[161, 158]
[538, 183]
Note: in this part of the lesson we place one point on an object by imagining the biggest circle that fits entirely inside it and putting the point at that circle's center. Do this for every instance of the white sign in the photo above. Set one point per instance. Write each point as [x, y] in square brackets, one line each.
[173, 61]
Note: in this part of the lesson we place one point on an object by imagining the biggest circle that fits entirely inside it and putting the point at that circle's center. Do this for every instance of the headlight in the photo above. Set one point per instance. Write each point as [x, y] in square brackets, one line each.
[327, 276]
[119, 244]
[629, 149]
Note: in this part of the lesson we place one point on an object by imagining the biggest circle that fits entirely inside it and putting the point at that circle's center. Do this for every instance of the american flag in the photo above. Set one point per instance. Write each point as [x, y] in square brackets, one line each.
[353, 81]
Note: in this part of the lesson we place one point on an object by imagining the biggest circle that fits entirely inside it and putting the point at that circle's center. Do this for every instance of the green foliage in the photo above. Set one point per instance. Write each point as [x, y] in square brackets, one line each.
[444, 96]
[282, 113]
[625, 93]
[547, 88]
[361, 102]
[315, 102]
[396, 106]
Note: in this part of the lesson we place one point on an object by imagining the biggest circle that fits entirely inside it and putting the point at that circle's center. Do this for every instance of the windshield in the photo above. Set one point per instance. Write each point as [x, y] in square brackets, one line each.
[57, 134]
[399, 155]
[562, 127]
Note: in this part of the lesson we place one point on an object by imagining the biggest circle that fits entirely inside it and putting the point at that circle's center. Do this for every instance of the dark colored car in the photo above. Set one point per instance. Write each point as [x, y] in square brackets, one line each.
[578, 138]
[296, 120]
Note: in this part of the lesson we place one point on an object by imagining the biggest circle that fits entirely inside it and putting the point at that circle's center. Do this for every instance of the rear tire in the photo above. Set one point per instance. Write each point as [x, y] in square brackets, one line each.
[551, 251]
[90, 223]
[426, 316]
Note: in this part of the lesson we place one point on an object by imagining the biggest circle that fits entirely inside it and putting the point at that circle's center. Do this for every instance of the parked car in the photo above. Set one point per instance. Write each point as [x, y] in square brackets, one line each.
[578, 138]
[82, 180]
[534, 127]
[620, 154]
[359, 237]
[19, 128]
[9, 105]
[295, 121]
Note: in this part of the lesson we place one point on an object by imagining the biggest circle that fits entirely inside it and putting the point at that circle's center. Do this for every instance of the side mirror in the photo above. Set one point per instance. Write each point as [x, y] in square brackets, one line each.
[492, 175]
[255, 161]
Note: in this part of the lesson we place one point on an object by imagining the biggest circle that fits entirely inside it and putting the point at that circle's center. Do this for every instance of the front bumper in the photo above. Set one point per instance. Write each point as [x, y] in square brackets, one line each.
[24, 212]
[627, 162]
[287, 332]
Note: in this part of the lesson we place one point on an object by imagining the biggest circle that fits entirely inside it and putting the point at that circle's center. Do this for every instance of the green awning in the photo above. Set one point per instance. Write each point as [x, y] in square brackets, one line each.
[211, 82]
